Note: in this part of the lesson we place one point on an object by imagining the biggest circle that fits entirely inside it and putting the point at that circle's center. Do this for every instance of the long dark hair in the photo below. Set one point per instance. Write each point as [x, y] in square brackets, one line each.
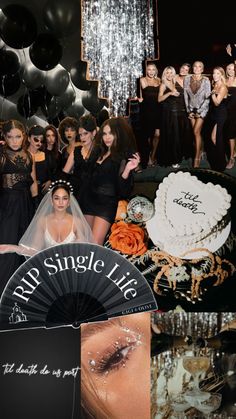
[124, 142]
[55, 148]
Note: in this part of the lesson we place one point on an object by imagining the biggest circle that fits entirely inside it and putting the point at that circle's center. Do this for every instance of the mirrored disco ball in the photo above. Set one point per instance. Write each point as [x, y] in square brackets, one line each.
[140, 209]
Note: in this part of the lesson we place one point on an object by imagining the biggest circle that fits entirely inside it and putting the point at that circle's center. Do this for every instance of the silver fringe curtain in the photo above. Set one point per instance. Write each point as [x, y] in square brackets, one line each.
[117, 38]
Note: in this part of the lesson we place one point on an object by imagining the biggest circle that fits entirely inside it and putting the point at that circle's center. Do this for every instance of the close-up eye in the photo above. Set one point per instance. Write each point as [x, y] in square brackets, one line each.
[114, 359]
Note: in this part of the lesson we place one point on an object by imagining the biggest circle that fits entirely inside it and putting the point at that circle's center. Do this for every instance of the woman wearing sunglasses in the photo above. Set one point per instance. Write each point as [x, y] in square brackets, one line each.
[36, 145]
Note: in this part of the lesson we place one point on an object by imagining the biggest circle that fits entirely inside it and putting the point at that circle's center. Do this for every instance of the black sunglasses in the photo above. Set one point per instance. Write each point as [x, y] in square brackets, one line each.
[37, 140]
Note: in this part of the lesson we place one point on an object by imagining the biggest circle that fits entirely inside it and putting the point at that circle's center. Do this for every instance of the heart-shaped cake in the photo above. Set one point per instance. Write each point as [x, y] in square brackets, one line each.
[189, 214]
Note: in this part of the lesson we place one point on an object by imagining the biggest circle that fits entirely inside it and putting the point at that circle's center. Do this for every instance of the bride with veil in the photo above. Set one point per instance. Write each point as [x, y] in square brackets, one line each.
[58, 220]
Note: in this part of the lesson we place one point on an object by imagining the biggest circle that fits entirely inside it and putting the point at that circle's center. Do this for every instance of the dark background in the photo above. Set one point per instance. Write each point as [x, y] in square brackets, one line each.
[40, 396]
[195, 30]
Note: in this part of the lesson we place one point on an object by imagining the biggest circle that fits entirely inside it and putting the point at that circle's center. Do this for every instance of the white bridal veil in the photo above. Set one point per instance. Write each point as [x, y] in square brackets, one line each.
[33, 239]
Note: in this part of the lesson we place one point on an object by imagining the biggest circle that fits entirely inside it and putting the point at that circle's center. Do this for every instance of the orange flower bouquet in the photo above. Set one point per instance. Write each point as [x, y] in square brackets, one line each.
[128, 238]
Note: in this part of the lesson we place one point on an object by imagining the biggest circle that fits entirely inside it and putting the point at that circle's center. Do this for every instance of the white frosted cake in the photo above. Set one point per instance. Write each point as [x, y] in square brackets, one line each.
[189, 215]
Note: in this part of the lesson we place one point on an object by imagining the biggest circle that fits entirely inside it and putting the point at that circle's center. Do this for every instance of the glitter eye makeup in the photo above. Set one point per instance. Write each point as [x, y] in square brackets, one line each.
[115, 362]
[117, 354]
[113, 358]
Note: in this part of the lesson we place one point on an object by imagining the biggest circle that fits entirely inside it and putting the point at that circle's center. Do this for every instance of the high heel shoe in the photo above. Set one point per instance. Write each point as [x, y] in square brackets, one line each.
[196, 163]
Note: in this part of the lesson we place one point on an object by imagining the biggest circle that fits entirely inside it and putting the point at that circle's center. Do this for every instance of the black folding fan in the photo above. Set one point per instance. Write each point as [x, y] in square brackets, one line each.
[72, 284]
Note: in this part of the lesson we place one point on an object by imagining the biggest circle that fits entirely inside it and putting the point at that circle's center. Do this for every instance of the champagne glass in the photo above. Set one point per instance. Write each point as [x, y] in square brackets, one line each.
[196, 365]
[179, 404]
[209, 405]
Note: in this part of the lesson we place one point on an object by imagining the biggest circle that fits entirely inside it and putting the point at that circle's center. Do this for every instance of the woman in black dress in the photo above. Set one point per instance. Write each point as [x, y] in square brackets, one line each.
[18, 186]
[111, 175]
[184, 124]
[214, 124]
[149, 115]
[80, 161]
[36, 146]
[52, 151]
[230, 124]
[169, 151]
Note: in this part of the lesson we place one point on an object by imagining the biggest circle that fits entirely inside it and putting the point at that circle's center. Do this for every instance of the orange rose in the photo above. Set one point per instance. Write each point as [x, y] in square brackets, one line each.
[128, 238]
[121, 212]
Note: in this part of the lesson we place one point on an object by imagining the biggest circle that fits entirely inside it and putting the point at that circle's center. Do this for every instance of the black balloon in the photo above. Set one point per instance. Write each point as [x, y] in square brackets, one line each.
[91, 101]
[46, 52]
[56, 121]
[33, 77]
[9, 85]
[9, 62]
[54, 108]
[68, 97]
[78, 74]
[57, 81]
[18, 27]
[62, 17]
[2, 44]
[76, 110]
[41, 96]
[27, 105]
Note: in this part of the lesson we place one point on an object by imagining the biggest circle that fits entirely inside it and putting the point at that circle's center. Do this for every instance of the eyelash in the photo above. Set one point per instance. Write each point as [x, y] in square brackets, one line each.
[109, 360]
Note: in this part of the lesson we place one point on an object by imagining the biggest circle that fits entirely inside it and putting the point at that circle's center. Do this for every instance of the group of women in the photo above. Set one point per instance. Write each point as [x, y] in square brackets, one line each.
[77, 203]
[100, 165]
[186, 114]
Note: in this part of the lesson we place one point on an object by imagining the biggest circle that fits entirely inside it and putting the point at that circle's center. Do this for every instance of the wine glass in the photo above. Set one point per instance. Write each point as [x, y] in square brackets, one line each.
[209, 405]
[196, 365]
[179, 404]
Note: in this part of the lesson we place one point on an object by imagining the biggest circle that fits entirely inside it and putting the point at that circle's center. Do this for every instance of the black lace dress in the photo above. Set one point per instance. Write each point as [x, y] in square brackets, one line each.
[16, 206]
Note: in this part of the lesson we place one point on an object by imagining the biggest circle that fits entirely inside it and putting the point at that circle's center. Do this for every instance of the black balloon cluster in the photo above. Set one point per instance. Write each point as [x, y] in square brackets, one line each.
[42, 84]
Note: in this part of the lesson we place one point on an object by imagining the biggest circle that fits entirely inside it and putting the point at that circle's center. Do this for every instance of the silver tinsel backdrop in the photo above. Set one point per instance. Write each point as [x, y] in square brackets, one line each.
[194, 323]
[117, 37]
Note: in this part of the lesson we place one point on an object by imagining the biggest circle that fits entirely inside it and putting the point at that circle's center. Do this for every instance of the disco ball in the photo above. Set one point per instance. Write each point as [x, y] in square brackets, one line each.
[140, 209]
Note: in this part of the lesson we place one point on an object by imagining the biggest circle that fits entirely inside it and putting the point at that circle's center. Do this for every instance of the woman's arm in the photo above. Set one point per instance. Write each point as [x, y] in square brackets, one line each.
[141, 87]
[163, 96]
[132, 164]
[204, 106]
[217, 98]
[19, 249]
[229, 50]
[186, 96]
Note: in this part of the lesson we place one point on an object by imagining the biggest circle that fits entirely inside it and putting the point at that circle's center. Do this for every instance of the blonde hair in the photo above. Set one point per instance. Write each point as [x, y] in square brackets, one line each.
[222, 72]
[163, 76]
[227, 67]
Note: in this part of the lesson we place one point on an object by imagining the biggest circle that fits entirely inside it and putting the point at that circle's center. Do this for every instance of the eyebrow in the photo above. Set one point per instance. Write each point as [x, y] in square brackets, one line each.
[59, 196]
[89, 330]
